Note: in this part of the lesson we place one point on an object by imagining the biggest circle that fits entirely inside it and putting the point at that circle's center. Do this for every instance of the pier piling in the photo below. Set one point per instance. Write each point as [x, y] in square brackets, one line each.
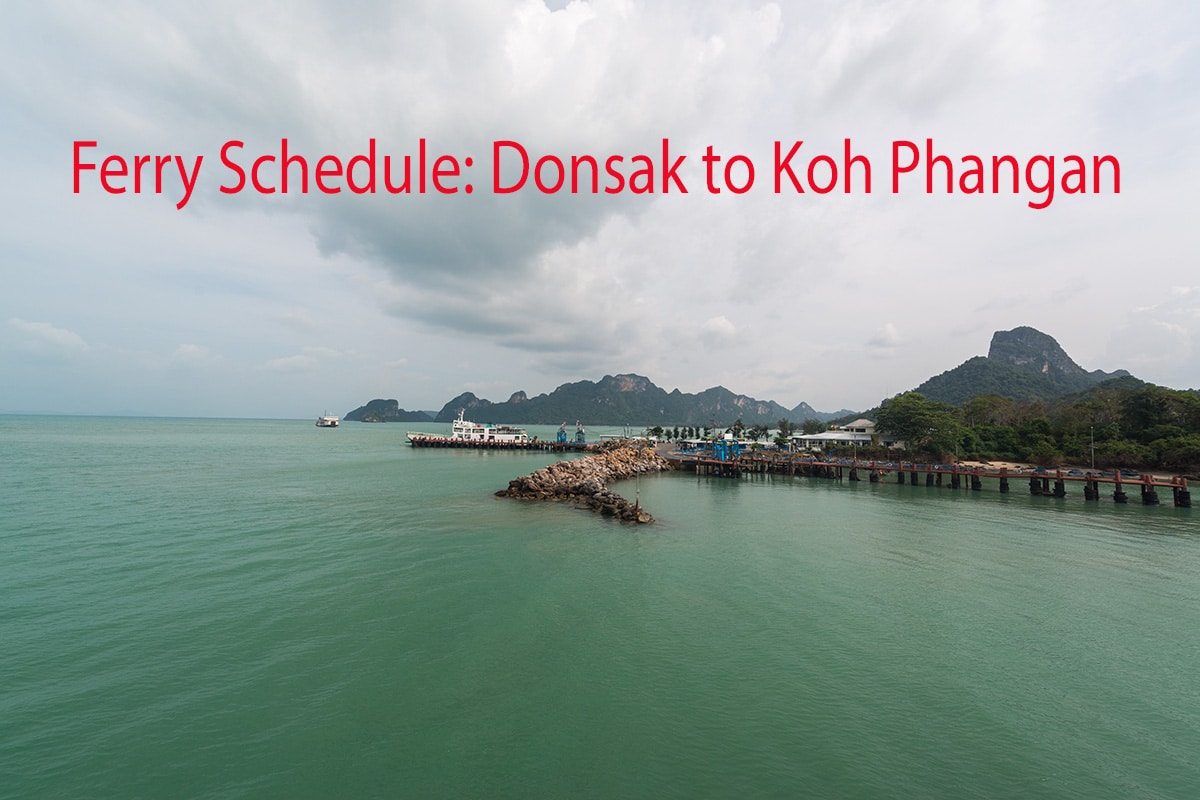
[1041, 482]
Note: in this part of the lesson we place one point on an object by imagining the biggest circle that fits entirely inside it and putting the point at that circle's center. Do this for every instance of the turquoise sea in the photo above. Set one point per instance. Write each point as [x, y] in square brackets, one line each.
[259, 608]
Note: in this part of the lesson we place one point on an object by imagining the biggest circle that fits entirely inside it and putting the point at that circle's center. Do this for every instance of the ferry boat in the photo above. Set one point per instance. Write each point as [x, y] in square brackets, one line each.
[327, 421]
[465, 433]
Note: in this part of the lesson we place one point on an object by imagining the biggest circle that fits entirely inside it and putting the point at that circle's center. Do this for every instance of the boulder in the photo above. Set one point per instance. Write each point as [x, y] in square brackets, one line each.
[585, 480]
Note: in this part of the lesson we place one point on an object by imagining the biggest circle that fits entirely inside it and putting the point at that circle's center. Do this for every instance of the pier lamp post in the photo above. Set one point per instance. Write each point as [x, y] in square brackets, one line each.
[1092, 432]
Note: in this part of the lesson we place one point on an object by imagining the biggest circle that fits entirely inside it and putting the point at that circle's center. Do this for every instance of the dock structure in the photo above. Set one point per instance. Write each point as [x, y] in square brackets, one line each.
[1041, 482]
[478, 444]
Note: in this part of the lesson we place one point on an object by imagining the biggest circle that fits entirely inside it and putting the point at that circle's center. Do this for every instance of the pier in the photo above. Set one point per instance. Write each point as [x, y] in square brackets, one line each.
[480, 444]
[1040, 482]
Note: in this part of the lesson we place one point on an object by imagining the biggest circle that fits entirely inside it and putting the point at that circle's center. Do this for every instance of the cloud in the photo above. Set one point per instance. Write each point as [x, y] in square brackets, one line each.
[537, 289]
[311, 357]
[717, 331]
[190, 354]
[294, 363]
[43, 333]
[559, 82]
[1162, 339]
[884, 338]
[299, 318]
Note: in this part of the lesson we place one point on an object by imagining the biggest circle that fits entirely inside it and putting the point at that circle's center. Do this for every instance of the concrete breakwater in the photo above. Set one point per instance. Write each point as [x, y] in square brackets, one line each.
[584, 481]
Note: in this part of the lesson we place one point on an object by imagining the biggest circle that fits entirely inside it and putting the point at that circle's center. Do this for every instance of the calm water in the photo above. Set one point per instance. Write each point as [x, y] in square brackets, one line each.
[212, 608]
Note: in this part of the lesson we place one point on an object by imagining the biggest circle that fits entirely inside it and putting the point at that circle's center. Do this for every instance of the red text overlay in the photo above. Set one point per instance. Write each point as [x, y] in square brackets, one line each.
[510, 168]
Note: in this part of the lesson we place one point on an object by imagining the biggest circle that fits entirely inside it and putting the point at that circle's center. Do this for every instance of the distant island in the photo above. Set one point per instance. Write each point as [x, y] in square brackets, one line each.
[613, 400]
[386, 411]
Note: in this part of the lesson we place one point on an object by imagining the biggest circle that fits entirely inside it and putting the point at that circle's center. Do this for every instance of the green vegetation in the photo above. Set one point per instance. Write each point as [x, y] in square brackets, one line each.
[1121, 423]
[813, 426]
[925, 425]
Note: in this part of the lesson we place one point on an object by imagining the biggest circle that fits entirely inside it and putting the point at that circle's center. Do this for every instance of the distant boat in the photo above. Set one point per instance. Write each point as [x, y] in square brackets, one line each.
[327, 421]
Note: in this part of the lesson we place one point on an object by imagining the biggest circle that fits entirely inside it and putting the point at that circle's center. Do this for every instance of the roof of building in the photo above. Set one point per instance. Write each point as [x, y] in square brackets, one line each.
[833, 436]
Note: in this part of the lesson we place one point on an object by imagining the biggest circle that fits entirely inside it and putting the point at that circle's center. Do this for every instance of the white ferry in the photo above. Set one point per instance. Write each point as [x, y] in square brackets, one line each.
[464, 433]
[327, 421]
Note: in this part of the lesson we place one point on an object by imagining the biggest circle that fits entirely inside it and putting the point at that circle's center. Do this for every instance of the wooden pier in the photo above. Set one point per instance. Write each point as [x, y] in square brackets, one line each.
[1042, 483]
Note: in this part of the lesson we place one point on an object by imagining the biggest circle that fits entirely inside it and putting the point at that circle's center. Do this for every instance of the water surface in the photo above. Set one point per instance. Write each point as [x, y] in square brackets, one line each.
[223, 608]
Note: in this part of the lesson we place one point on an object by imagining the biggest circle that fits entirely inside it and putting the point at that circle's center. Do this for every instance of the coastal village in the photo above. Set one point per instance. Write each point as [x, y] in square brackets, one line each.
[1026, 414]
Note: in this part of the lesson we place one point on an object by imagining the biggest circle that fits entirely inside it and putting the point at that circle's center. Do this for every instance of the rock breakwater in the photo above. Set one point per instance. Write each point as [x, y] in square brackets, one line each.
[584, 481]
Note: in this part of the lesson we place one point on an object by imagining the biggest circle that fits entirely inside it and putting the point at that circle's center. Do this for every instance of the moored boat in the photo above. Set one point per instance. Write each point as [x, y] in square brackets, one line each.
[465, 433]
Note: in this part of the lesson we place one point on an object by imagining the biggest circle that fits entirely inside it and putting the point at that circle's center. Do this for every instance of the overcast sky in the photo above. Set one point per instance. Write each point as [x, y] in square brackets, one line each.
[272, 305]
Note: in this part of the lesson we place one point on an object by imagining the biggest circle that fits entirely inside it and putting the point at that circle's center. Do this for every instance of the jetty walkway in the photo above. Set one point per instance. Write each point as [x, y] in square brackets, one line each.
[584, 481]
[1041, 482]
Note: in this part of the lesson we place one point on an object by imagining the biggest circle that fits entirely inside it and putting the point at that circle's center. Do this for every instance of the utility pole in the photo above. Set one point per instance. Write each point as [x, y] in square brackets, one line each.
[637, 494]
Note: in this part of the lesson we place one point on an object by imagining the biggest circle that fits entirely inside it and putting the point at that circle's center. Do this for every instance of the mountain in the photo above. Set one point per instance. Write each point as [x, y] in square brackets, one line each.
[626, 399]
[1022, 364]
[385, 411]
[476, 409]
[804, 412]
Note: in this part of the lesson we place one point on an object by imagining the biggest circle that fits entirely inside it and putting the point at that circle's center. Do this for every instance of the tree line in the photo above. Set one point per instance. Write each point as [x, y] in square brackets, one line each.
[1122, 423]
